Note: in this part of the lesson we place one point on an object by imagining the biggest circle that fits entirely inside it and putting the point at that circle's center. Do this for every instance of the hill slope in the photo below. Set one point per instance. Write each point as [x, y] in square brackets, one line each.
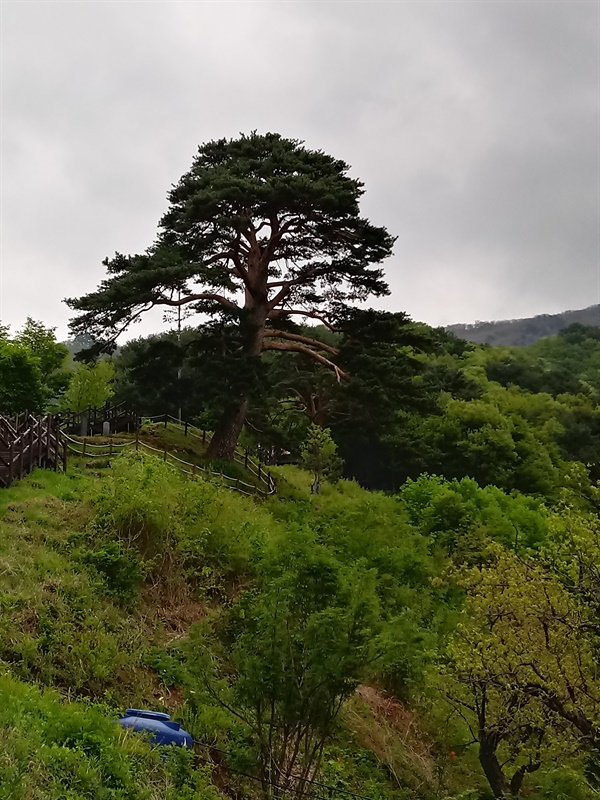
[524, 331]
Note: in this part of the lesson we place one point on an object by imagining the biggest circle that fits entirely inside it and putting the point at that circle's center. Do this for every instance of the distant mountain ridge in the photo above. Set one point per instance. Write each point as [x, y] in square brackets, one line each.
[526, 331]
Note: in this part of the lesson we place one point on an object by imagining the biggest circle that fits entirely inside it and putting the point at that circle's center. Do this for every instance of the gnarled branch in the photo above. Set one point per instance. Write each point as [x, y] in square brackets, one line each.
[296, 347]
[278, 313]
[191, 298]
[296, 337]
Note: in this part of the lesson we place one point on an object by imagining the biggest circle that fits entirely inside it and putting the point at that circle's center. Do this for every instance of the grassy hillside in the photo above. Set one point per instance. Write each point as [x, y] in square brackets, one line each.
[128, 585]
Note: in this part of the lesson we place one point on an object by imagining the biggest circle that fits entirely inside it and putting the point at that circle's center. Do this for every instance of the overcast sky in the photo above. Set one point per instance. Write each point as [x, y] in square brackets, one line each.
[475, 127]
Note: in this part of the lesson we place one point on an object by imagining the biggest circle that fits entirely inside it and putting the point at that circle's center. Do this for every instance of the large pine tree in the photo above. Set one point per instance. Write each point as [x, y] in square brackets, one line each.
[261, 231]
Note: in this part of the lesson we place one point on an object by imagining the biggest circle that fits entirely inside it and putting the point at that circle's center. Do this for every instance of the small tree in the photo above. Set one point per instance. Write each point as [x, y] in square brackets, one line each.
[52, 356]
[300, 648]
[521, 671]
[319, 456]
[20, 379]
[90, 387]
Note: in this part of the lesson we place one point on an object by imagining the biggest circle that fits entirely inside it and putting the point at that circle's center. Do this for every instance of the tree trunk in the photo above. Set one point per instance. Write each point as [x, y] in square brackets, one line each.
[517, 779]
[492, 769]
[223, 443]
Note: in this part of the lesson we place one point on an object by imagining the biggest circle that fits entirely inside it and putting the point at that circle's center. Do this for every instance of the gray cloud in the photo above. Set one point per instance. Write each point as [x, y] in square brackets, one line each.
[475, 127]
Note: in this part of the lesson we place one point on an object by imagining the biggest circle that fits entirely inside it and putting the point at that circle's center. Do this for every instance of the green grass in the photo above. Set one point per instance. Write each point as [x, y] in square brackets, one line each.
[191, 448]
[107, 571]
[52, 749]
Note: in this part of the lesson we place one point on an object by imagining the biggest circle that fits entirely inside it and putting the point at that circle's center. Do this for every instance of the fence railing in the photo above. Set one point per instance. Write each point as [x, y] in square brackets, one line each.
[29, 442]
[83, 447]
[242, 457]
[120, 417]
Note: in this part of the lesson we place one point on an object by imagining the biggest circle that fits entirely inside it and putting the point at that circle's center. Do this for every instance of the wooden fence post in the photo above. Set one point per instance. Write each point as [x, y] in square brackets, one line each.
[11, 455]
[137, 439]
[84, 443]
[21, 455]
[48, 426]
[110, 450]
[203, 437]
[165, 454]
[166, 420]
[30, 466]
[185, 429]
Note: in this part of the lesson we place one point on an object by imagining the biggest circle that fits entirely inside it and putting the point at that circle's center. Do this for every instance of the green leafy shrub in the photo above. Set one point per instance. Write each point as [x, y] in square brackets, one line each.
[120, 569]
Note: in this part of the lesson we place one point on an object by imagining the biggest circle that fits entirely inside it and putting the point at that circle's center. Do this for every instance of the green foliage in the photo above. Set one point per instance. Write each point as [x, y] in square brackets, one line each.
[120, 568]
[178, 527]
[463, 517]
[52, 356]
[56, 750]
[319, 456]
[32, 368]
[21, 385]
[90, 386]
[299, 648]
[520, 669]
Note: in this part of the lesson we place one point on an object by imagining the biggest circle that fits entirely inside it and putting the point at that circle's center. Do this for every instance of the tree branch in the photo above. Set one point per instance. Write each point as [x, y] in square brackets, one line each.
[296, 337]
[190, 298]
[277, 313]
[300, 348]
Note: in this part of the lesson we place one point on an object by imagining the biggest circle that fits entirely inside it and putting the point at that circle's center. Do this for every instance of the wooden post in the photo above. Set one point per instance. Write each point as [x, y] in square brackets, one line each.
[11, 455]
[83, 451]
[259, 473]
[193, 469]
[30, 465]
[110, 451]
[185, 429]
[64, 455]
[137, 440]
[39, 447]
[165, 454]
[203, 437]
[21, 455]
[166, 419]
[48, 427]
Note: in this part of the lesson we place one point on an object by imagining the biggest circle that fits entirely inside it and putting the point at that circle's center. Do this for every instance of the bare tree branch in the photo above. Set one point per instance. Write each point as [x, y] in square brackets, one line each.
[191, 298]
[300, 348]
[296, 337]
[277, 313]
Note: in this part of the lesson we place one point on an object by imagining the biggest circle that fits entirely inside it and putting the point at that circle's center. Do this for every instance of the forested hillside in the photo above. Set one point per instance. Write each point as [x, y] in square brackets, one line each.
[525, 331]
[435, 640]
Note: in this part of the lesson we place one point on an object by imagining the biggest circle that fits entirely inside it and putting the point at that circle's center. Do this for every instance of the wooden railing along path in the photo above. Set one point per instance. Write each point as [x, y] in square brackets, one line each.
[27, 442]
[264, 486]
[120, 417]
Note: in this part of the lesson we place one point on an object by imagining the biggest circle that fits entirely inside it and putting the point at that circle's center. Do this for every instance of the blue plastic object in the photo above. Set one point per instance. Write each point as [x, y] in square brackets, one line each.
[162, 728]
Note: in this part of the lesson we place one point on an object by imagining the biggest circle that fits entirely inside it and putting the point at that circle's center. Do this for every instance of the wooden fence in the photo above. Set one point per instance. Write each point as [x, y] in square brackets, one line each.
[28, 442]
[264, 486]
